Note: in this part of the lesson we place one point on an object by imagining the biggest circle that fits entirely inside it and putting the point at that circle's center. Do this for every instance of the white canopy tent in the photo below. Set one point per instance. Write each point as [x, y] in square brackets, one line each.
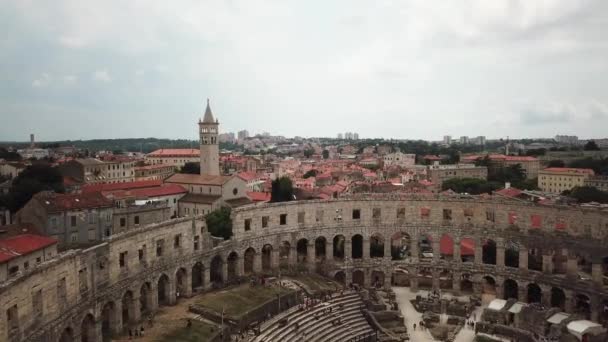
[584, 327]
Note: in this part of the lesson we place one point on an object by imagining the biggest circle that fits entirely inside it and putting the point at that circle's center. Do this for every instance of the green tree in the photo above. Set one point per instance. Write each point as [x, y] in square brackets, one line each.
[591, 146]
[310, 173]
[191, 168]
[325, 154]
[556, 163]
[33, 179]
[9, 156]
[219, 223]
[512, 174]
[485, 161]
[308, 152]
[585, 194]
[282, 190]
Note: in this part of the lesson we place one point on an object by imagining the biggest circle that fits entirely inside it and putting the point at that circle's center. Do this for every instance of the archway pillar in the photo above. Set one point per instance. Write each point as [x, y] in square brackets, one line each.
[367, 280]
[274, 258]
[310, 255]
[348, 248]
[597, 274]
[522, 293]
[329, 250]
[172, 300]
[435, 279]
[225, 271]
[387, 249]
[478, 251]
[257, 263]
[478, 287]
[135, 313]
[415, 240]
[293, 255]
[523, 258]
[547, 263]
[366, 247]
[500, 253]
[571, 265]
[594, 303]
[568, 301]
[187, 286]
[116, 319]
[457, 258]
[206, 273]
[500, 289]
[456, 279]
[546, 296]
[153, 296]
[436, 249]
[98, 330]
[413, 271]
[239, 266]
[348, 277]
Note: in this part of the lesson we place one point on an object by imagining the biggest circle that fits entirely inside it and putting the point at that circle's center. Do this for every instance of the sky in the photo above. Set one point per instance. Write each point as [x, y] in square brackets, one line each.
[408, 69]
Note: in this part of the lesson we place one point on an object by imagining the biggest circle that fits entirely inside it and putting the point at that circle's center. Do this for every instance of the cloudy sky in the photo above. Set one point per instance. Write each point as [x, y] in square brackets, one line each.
[401, 69]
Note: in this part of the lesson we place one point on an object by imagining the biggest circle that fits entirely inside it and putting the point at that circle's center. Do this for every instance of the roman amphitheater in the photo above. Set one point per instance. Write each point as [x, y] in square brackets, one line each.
[462, 245]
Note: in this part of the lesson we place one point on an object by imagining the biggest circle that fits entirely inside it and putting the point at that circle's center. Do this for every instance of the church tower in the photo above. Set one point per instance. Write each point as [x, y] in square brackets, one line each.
[208, 132]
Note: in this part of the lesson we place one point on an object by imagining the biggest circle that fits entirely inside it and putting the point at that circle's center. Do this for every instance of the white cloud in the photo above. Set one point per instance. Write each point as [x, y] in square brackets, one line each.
[70, 79]
[43, 81]
[102, 76]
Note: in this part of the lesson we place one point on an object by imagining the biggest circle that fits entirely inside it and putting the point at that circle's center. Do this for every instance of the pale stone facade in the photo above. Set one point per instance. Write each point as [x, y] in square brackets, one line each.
[559, 179]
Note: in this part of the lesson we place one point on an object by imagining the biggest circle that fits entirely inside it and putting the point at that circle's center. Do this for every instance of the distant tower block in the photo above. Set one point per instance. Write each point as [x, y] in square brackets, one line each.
[210, 152]
[32, 141]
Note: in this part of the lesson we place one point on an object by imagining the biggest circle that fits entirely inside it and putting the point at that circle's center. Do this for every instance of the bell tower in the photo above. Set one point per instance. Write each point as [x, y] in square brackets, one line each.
[208, 131]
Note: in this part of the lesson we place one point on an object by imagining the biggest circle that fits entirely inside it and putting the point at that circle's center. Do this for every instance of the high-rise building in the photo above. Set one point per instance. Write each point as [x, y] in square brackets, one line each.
[227, 137]
[244, 134]
[339, 135]
[210, 153]
[464, 140]
[566, 139]
[356, 136]
[447, 139]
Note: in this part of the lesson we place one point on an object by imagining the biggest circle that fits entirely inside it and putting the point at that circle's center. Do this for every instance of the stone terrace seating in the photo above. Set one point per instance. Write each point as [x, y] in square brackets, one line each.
[319, 330]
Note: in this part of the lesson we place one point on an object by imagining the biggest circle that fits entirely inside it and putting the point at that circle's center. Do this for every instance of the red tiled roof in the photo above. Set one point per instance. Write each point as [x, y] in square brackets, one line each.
[23, 244]
[569, 170]
[183, 178]
[163, 190]
[61, 202]
[247, 176]
[175, 152]
[259, 196]
[121, 186]
[510, 192]
[431, 157]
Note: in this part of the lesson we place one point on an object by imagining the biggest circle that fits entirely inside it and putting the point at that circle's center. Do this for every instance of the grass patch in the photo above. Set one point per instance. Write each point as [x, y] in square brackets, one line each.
[198, 332]
[241, 299]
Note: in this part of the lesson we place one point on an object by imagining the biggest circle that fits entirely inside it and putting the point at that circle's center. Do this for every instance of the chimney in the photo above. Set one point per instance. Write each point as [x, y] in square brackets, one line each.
[32, 141]
[507, 185]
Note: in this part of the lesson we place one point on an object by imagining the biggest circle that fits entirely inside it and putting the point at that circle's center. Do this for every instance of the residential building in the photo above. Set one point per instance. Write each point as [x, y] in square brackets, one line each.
[566, 139]
[69, 218]
[174, 156]
[33, 153]
[11, 169]
[253, 180]
[227, 137]
[139, 214]
[447, 139]
[119, 169]
[599, 182]
[559, 179]
[437, 174]
[340, 136]
[399, 159]
[91, 170]
[157, 171]
[242, 135]
[356, 136]
[498, 162]
[23, 252]
[464, 140]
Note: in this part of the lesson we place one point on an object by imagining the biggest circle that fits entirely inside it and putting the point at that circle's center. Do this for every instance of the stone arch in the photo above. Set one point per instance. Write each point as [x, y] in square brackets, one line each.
[466, 283]
[163, 290]
[215, 270]
[232, 262]
[558, 298]
[339, 244]
[488, 286]
[145, 298]
[284, 253]
[467, 249]
[267, 258]
[320, 252]
[181, 286]
[425, 247]
[510, 289]
[583, 305]
[67, 335]
[512, 254]
[401, 245]
[446, 247]
[108, 320]
[198, 276]
[535, 293]
[488, 255]
[535, 259]
[87, 329]
[376, 245]
[377, 278]
[359, 277]
[128, 307]
[357, 246]
[340, 277]
[249, 260]
[302, 250]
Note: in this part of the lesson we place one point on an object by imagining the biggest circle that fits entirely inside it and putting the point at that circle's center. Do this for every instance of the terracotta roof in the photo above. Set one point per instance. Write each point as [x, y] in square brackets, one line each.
[175, 152]
[237, 202]
[569, 170]
[89, 161]
[184, 178]
[163, 190]
[247, 176]
[121, 186]
[54, 202]
[200, 199]
[18, 229]
[259, 196]
[510, 192]
[16, 246]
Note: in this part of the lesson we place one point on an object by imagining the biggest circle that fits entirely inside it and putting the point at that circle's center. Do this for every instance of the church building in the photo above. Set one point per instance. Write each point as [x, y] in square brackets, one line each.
[209, 190]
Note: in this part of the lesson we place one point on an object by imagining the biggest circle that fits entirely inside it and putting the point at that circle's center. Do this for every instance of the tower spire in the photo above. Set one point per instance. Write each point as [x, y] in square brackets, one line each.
[208, 117]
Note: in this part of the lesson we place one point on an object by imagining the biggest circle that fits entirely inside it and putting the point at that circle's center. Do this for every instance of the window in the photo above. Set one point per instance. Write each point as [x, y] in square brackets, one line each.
[159, 247]
[73, 221]
[468, 212]
[265, 221]
[235, 191]
[490, 215]
[12, 318]
[122, 259]
[196, 239]
[26, 265]
[92, 217]
[123, 222]
[13, 270]
[376, 213]
[319, 216]
[283, 219]
[177, 241]
[425, 213]
[74, 237]
[141, 253]
[136, 220]
[301, 217]
[38, 260]
[400, 213]
[356, 214]
[247, 224]
[37, 303]
[447, 214]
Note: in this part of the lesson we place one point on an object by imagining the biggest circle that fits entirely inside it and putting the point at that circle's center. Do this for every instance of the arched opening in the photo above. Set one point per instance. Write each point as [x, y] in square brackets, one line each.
[534, 293]
[510, 289]
[107, 320]
[357, 246]
[489, 252]
[377, 278]
[466, 285]
[284, 250]
[163, 290]
[340, 277]
[446, 247]
[512, 254]
[401, 246]
[320, 243]
[339, 242]
[488, 286]
[249, 260]
[583, 305]
[180, 283]
[231, 267]
[302, 250]
[67, 335]
[267, 258]
[215, 273]
[198, 271]
[145, 298]
[560, 261]
[87, 329]
[446, 280]
[425, 248]
[558, 298]
[127, 308]
[358, 277]
[376, 246]
[535, 259]
[467, 250]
